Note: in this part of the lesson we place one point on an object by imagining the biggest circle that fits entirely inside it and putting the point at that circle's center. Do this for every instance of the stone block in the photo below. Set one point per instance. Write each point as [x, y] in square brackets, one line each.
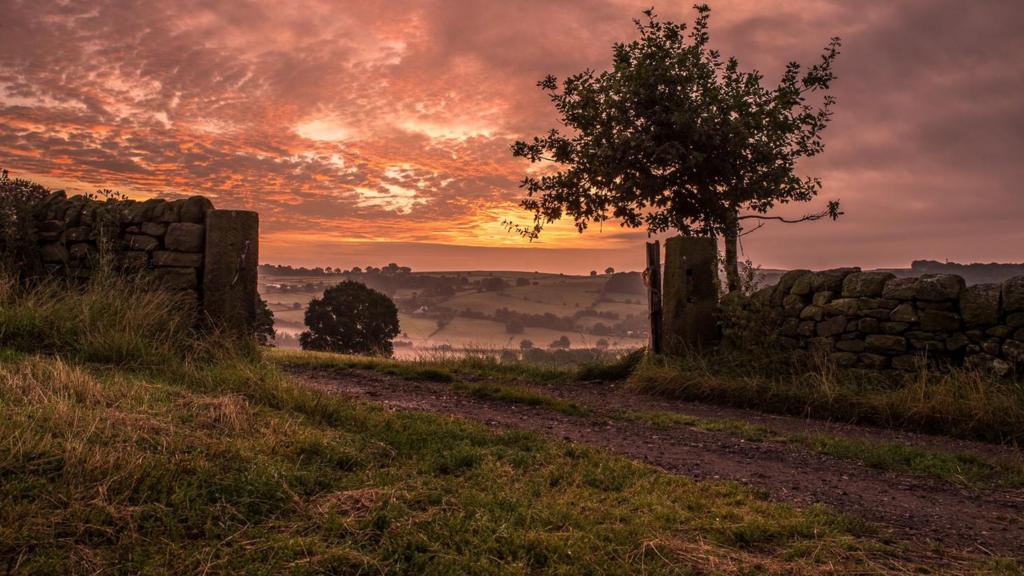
[803, 286]
[789, 327]
[893, 327]
[155, 229]
[184, 237]
[831, 280]
[1015, 320]
[1013, 294]
[869, 284]
[999, 331]
[805, 328]
[73, 214]
[194, 209]
[812, 313]
[842, 306]
[938, 287]
[793, 304]
[899, 289]
[78, 234]
[82, 251]
[843, 359]
[929, 346]
[886, 343]
[229, 268]
[785, 284]
[1019, 335]
[938, 321]
[139, 212]
[876, 313]
[979, 305]
[850, 345]
[166, 258]
[53, 253]
[905, 312]
[176, 278]
[874, 361]
[957, 342]
[832, 327]
[50, 230]
[689, 294]
[142, 242]
[868, 326]
[944, 306]
[1013, 350]
[822, 298]
[992, 346]
[168, 212]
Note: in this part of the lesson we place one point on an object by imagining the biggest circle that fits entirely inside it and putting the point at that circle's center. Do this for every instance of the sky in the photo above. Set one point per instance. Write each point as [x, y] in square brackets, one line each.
[367, 132]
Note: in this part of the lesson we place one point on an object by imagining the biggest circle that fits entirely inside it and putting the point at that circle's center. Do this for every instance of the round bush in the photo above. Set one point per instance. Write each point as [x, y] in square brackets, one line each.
[352, 319]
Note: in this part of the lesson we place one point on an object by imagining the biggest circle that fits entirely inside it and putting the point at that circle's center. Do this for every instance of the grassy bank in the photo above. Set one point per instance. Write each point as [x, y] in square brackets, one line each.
[957, 403]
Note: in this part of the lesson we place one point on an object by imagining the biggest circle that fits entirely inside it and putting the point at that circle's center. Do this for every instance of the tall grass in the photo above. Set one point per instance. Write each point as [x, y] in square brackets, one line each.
[961, 403]
[108, 319]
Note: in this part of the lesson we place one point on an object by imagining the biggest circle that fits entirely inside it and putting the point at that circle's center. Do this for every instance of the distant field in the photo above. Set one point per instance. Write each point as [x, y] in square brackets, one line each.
[562, 296]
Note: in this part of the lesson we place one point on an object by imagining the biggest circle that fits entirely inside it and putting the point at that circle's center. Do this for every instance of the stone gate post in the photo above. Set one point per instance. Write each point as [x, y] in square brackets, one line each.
[690, 293]
[229, 273]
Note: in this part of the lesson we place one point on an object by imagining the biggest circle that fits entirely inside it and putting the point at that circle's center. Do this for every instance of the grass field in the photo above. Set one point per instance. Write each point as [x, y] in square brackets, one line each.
[563, 296]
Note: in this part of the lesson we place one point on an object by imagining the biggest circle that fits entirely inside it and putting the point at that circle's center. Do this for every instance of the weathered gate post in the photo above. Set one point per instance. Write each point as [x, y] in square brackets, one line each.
[229, 274]
[690, 293]
[652, 279]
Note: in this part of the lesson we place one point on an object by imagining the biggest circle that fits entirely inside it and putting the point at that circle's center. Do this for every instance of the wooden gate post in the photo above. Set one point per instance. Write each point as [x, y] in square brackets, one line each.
[652, 279]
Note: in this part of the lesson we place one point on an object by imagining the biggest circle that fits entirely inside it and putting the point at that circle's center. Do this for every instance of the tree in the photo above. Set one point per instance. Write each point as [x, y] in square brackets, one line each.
[561, 344]
[352, 319]
[263, 327]
[525, 344]
[493, 284]
[609, 270]
[673, 137]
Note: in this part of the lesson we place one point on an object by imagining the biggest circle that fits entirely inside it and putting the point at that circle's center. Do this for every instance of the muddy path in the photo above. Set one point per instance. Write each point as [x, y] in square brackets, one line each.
[919, 509]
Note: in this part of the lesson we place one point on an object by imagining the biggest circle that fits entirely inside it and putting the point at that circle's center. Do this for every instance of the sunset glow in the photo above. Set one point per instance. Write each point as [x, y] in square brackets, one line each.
[368, 132]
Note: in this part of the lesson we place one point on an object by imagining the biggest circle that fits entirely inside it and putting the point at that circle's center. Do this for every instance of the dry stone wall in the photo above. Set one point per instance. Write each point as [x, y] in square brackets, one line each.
[161, 242]
[876, 320]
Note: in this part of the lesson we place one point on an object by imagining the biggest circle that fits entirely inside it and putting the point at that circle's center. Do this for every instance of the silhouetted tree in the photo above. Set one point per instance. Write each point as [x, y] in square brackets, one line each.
[264, 325]
[609, 270]
[525, 344]
[353, 319]
[561, 344]
[675, 137]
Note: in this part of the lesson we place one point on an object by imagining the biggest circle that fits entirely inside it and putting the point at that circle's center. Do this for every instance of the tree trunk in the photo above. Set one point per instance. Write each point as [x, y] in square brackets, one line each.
[731, 236]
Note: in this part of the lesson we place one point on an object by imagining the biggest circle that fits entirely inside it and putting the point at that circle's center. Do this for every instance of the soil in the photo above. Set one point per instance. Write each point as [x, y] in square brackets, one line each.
[929, 513]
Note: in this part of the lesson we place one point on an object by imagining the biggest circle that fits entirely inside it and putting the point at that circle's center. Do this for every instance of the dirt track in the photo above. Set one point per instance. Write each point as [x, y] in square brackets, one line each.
[917, 508]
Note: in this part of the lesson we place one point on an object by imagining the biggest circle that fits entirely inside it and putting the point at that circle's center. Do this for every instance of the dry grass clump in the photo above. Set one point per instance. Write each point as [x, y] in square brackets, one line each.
[108, 319]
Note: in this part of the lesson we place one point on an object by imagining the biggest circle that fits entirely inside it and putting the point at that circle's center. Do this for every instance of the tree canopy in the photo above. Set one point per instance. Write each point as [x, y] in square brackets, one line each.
[352, 319]
[674, 137]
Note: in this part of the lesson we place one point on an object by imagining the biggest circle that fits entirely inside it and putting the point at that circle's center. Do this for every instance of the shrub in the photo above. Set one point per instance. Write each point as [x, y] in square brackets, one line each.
[19, 202]
[352, 319]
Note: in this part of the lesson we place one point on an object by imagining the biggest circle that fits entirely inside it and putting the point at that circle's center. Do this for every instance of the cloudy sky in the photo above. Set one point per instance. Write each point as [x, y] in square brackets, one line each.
[366, 132]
